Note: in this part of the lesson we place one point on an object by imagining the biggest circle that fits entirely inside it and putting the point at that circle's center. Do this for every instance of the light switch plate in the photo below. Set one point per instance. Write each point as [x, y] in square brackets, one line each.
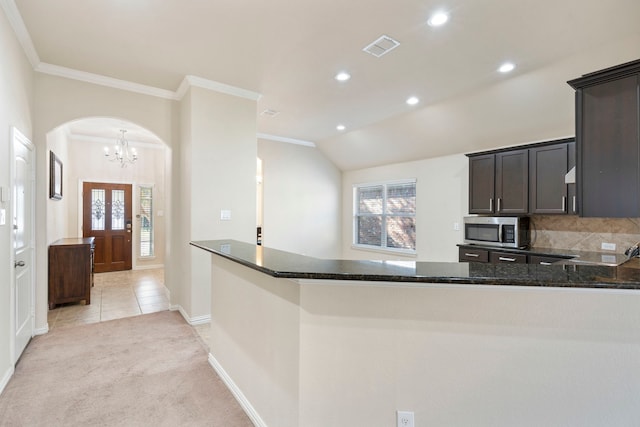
[3, 216]
[225, 215]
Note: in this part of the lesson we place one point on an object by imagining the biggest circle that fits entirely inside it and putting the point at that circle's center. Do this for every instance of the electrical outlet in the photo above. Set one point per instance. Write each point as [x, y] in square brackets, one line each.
[456, 226]
[225, 215]
[609, 246]
[405, 419]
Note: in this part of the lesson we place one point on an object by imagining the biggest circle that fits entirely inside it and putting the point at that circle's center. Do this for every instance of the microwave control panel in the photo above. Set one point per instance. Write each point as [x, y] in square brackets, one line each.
[509, 235]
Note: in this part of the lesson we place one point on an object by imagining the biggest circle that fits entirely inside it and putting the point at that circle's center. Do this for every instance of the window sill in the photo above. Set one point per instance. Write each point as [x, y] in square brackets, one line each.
[401, 252]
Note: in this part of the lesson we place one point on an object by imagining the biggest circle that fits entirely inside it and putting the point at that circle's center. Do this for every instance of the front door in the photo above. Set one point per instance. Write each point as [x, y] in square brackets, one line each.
[106, 213]
[23, 190]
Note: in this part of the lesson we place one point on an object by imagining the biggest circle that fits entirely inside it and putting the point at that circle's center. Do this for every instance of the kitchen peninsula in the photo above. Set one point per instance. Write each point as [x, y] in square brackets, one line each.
[309, 342]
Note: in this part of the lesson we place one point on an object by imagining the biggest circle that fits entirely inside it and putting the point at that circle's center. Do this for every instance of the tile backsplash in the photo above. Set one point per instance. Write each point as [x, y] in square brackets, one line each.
[583, 234]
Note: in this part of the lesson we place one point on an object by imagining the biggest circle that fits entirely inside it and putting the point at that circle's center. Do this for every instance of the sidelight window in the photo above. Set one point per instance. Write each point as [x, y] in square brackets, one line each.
[146, 221]
[385, 216]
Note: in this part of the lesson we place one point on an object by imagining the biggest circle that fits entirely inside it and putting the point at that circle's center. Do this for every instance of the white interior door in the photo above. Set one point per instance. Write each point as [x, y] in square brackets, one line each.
[23, 187]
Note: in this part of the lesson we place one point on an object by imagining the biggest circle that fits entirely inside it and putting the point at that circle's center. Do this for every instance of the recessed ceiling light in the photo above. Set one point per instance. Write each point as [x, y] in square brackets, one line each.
[341, 127]
[506, 67]
[437, 19]
[412, 100]
[343, 76]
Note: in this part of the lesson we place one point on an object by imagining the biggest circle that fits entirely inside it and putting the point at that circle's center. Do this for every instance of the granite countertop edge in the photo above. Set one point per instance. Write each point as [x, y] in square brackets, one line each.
[482, 274]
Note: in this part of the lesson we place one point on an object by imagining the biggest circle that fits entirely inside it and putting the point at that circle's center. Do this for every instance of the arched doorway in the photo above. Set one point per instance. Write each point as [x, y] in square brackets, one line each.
[81, 144]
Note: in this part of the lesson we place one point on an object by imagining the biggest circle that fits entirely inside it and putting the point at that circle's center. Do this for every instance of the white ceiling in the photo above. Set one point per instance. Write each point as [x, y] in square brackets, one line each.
[289, 51]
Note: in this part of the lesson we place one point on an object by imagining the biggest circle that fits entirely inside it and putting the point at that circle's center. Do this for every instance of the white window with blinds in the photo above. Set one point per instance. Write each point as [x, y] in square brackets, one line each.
[385, 216]
[146, 221]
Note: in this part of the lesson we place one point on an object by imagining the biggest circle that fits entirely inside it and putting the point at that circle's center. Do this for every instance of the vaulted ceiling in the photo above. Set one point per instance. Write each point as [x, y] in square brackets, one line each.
[290, 50]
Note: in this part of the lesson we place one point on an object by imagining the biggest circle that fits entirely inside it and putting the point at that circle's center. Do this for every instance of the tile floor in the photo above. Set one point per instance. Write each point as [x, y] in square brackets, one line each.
[115, 295]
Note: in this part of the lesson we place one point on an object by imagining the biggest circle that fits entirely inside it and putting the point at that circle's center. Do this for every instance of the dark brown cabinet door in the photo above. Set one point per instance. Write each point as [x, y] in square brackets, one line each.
[608, 141]
[481, 184]
[609, 152]
[548, 166]
[512, 182]
[571, 188]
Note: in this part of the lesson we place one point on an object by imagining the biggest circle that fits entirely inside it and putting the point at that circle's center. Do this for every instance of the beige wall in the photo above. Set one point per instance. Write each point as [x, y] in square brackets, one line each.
[57, 101]
[218, 160]
[441, 197]
[16, 110]
[328, 353]
[302, 200]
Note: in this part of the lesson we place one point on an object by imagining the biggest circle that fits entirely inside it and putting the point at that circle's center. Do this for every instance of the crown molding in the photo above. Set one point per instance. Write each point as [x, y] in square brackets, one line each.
[285, 139]
[15, 19]
[83, 76]
[195, 81]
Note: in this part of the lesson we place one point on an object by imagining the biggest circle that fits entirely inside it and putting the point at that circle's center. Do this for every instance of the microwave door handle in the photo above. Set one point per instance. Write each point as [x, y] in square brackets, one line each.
[500, 232]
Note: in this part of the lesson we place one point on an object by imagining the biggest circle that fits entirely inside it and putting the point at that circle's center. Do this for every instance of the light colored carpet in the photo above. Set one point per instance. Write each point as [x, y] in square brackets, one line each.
[148, 370]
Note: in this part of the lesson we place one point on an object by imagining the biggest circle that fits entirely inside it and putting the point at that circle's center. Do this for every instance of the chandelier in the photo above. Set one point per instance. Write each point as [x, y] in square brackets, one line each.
[122, 152]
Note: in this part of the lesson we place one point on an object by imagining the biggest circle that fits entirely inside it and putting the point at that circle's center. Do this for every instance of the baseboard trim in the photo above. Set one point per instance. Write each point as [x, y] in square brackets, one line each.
[41, 331]
[5, 379]
[193, 321]
[237, 393]
[149, 267]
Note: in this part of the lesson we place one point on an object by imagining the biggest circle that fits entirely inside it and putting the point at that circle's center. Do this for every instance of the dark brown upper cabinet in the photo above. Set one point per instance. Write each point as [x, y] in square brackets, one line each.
[527, 179]
[608, 142]
[548, 166]
[498, 183]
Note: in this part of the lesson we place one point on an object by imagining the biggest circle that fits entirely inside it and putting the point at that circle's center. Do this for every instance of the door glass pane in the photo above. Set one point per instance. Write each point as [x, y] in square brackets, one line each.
[97, 209]
[19, 206]
[117, 210]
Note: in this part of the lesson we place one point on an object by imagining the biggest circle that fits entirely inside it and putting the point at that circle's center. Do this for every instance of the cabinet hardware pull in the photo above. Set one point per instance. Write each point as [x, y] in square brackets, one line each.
[502, 258]
[491, 204]
[472, 255]
[564, 203]
[544, 263]
[499, 203]
[574, 204]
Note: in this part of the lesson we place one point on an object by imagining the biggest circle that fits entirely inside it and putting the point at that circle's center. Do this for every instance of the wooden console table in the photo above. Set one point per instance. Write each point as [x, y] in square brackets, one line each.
[70, 270]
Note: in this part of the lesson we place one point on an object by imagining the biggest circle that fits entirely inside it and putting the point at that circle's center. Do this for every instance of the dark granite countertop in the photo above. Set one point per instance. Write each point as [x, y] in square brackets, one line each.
[283, 264]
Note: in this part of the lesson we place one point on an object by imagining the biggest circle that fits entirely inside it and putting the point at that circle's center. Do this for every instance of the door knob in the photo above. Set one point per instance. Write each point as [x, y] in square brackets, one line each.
[19, 264]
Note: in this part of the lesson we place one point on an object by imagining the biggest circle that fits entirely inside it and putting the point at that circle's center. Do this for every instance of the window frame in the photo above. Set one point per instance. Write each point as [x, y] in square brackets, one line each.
[354, 224]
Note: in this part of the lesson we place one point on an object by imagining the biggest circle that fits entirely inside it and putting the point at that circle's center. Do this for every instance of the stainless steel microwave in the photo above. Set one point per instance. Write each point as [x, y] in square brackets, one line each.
[501, 231]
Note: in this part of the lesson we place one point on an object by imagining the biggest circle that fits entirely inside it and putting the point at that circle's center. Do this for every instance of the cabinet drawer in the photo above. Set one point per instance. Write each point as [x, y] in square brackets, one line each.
[543, 260]
[475, 255]
[506, 257]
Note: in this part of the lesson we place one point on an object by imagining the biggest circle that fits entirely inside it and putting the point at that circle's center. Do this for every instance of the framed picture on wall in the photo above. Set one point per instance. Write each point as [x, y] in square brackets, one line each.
[55, 177]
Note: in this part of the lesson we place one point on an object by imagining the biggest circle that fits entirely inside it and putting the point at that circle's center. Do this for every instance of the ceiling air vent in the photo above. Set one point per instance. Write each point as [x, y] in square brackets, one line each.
[383, 45]
[269, 113]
